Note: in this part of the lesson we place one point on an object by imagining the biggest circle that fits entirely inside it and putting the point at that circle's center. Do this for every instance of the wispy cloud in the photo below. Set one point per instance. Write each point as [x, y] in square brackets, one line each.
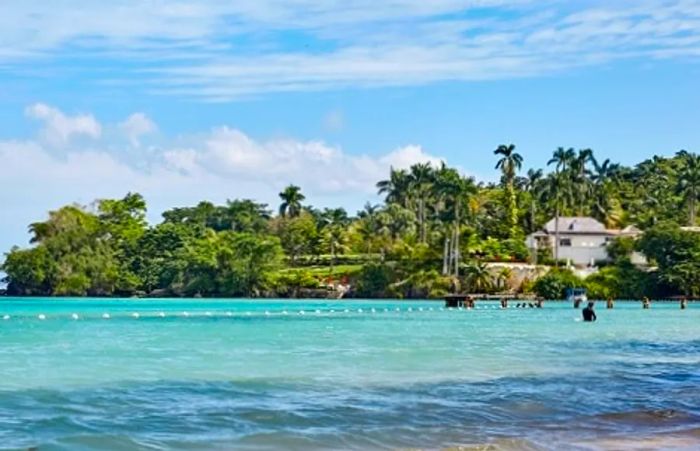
[218, 50]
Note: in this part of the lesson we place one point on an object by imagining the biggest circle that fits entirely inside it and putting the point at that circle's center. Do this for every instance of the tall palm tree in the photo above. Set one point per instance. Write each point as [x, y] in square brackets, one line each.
[453, 192]
[534, 185]
[334, 222]
[581, 188]
[397, 188]
[561, 158]
[688, 185]
[291, 201]
[606, 205]
[422, 178]
[509, 164]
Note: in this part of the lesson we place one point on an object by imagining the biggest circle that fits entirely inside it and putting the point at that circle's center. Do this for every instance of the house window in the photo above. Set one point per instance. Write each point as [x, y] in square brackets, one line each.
[565, 242]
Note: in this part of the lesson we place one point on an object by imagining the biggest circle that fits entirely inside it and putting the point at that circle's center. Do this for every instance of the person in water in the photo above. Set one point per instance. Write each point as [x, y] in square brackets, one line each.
[589, 313]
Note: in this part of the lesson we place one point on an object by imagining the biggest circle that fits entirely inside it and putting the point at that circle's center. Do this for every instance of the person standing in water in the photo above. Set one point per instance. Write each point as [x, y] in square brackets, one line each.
[589, 313]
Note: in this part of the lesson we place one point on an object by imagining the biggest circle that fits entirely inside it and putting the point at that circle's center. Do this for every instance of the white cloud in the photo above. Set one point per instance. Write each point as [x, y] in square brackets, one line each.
[407, 156]
[137, 125]
[222, 163]
[314, 165]
[59, 127]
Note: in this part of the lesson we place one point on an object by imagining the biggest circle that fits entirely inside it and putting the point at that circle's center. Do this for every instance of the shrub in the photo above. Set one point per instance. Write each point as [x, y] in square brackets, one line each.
[554, 284]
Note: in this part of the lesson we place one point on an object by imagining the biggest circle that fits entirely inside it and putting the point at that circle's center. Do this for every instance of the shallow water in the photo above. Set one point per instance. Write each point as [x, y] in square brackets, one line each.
[351, 375]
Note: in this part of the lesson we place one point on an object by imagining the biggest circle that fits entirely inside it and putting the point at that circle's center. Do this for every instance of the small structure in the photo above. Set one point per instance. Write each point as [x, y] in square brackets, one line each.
[646, 303]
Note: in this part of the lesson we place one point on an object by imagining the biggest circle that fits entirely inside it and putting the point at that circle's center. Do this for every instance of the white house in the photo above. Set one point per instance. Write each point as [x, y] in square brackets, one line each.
[582, 240]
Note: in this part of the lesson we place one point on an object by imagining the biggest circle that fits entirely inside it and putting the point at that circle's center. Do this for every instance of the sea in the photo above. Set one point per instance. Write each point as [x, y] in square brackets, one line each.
[230, 374]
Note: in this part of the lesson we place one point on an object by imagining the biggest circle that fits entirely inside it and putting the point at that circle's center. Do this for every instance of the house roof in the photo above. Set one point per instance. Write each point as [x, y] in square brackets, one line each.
[576, 224]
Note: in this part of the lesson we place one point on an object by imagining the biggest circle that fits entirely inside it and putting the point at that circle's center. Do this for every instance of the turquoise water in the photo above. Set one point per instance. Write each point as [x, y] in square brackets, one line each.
[201, 374]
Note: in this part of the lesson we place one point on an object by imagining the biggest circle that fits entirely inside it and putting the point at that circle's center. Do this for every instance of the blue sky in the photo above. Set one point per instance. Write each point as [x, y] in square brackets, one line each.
[184, 100]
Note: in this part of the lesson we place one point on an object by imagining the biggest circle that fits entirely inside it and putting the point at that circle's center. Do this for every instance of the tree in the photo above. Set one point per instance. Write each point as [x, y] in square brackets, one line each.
[478, 277]
[291, 201]
[688, 186]
[422, 178]
[559, 189]
[509, 164]
[333, 231]
[677, 254]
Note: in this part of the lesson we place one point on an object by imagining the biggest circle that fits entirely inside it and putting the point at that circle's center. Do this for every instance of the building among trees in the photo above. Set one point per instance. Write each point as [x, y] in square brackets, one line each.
[582, 240]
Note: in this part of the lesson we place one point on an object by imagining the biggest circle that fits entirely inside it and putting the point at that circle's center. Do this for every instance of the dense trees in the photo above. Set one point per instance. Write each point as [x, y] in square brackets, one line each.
[434, 232]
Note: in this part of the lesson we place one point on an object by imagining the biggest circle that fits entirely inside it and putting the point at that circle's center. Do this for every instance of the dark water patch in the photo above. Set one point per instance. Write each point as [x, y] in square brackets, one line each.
[266, 414]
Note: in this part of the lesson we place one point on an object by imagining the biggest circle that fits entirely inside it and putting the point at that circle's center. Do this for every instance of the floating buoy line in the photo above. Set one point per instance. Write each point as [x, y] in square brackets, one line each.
[381, 311]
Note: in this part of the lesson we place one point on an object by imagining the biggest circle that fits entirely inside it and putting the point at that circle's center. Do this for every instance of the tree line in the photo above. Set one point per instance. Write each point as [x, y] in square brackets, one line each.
[433, 233]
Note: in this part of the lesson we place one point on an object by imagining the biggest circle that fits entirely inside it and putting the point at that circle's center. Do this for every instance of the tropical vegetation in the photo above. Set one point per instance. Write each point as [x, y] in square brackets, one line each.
[435, 231]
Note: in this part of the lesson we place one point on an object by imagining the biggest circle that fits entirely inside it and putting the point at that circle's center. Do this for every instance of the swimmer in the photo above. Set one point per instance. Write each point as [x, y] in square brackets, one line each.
[589, 313]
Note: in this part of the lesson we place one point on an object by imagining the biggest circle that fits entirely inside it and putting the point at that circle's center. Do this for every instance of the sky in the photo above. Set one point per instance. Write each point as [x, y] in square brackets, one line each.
[184, 101]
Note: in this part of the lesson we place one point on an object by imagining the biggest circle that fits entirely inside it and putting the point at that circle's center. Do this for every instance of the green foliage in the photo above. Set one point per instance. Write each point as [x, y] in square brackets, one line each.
[374, 281]
[677, 254]
[554, 284]
[416, 243]
[621, 281]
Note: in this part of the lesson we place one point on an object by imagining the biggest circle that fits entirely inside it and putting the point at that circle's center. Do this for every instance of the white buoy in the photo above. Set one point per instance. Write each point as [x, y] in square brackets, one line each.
[74, 316]
[301, 312]
[284, 312]
[359, 310]
[267, 313]
[185, 314]
[347, 311]
[431, 309]
[135, 315]
[247, 313]
[420, 309]
[332, 311]
[6, 317]
[162, 314]
[386, 310]
[41, 316]
[397, 309]
[318, 312]
[410, 309]
[373, 310]
[208, 313]
[229, 314]
[105, 315]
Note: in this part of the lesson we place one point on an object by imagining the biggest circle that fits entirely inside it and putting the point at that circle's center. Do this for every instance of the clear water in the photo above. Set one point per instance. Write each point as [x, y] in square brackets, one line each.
[232, 374]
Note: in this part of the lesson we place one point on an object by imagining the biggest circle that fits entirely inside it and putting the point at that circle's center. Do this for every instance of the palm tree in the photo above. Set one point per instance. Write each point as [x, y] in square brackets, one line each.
[533, 185]
[509, 164]
[606, 205]
[478, 277]
[453, 191]
[558, 188]
[688, 185]
[291, 201]
[422, 178]
[334, 222]
[397, 188]
[581, 188]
